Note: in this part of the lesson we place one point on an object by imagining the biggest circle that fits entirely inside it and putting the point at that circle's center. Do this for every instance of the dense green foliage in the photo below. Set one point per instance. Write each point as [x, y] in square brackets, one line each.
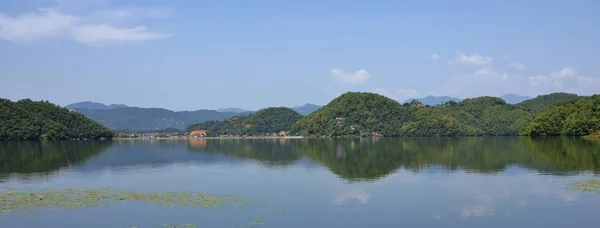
[264, 122]
[272, 120]
[367, 113]
[482, 116]
[149, 119]
[542, 102]
[29, 120]
[573, 117]
[364, 114]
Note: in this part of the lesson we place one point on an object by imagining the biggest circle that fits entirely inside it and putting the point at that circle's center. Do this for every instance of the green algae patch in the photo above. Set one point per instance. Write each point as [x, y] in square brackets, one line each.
[587, 185]
[30, 202]
[255, 223]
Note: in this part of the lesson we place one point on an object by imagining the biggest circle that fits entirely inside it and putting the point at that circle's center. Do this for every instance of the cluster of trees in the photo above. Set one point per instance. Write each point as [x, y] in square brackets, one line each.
[573, 117]
[483, 116]
[542, 102]
[31, 120]
[362, 113]
[264, 122]
[371, 114]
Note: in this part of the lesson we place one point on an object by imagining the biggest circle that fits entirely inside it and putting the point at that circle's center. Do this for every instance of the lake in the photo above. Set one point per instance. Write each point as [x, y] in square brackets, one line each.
[405, 182]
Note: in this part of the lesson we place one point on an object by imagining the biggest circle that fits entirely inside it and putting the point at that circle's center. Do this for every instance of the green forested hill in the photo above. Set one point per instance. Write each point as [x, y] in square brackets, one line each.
[483, 116]
[265, 121]
[573, 117]
[30, 120]
[272, 120]
[542, 102]
[367, 113]
[363, 113]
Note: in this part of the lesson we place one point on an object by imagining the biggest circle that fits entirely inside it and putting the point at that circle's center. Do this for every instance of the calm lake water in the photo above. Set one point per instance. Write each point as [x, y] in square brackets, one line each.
[414, 182]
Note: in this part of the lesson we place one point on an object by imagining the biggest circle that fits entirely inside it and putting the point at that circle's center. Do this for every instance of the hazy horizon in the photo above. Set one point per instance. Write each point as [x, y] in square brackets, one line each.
[191, 55]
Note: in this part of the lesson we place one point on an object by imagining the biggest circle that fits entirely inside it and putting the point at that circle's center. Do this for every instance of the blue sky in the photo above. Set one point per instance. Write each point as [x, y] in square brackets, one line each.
[187, 55]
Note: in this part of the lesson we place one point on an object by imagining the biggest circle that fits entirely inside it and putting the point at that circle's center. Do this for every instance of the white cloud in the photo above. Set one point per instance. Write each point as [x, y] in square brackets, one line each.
[565, 80]
[434, 56]
[556, 78]
[517, 66]
[360, 77]
[566, 72]
[472, 60]
[46, 23]
[137, 13]
[485, 80]
[39, 24]
[513, 64]
[107, 34]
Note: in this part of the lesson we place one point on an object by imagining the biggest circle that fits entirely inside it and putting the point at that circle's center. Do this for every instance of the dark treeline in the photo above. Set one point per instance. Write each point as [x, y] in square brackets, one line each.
[264, 122]
[31, 120]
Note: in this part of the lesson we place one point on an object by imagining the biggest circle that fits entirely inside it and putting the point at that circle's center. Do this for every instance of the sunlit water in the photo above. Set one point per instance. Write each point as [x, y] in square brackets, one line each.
[415, 182]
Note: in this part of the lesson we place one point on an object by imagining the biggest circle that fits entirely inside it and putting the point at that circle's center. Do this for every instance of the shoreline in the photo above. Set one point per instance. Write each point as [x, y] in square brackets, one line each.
[232, 137]
[588, 137]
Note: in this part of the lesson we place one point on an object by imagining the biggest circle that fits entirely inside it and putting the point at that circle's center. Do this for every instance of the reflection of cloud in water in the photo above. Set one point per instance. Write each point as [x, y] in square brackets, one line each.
[361, 191]
[569, 197]
[487, 192]
[482, 208]
[477, 210]
[352, 193]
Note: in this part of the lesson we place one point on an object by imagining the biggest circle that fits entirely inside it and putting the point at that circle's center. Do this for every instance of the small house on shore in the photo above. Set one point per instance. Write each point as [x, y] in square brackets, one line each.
[198, 133]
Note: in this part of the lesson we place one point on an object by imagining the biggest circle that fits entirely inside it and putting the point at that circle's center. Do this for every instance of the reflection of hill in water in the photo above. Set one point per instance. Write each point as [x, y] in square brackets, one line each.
[361, 159]
[156, 153]
[351, 159]
[46, 156]
[269, 152]
[358, 159]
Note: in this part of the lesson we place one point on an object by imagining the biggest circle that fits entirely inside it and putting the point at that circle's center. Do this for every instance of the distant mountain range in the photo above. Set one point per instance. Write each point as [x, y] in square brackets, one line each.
[433, 100]
[147, 119]
[122, 117]
[94, 106]
[306, 109]
[234, 110]
[512, 98]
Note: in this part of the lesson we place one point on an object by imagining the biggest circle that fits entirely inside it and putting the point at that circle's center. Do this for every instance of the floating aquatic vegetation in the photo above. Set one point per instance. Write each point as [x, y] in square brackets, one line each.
[29, 202]
[256, 223]
[587, 185]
